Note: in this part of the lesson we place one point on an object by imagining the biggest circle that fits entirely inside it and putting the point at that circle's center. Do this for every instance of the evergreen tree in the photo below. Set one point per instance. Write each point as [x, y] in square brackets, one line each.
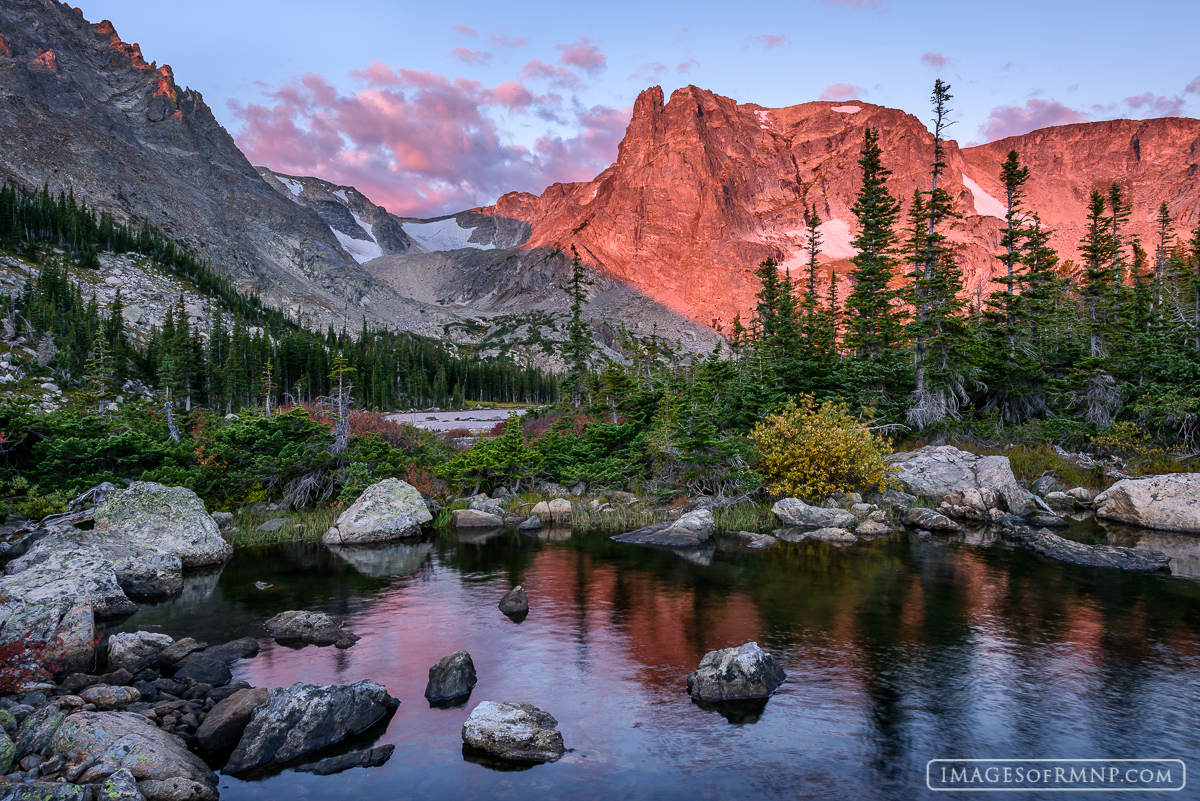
[579, 346]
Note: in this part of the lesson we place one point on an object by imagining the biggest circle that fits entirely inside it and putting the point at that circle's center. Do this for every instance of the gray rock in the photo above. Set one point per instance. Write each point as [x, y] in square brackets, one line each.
[933, 472]
[519, 732]
[56, 570]
[1060, 500]
[541, 510]
[136, 650]
[1048, 520]
[1168, 502]
[178, 650]
[36, 732]
[693, 528]
[273, 525]
[203, 669]
[835, 536]
[872, 529]
[104, 696]
[233, 650]
[165, 520]
[733, 674]
[481, 503]
[470, 518]
[223, 519]
[150, 575]
[368, 758]
[795, 512]
[98, 744]
[1083, 495]
[1049, 544]
[558, 510]
[8, 750]
[514, 602]
[305, 717]
[177, 789]
[52, 617]
[225, 722]
[1046, 484]
[451, 677]
[121, 786]
[753, 540]
[315, 628]
[532, 523]
[929, 519]
[42, 791]
[390, 510]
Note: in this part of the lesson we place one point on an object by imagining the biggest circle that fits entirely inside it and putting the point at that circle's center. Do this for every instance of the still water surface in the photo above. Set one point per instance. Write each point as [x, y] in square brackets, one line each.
[897, 652]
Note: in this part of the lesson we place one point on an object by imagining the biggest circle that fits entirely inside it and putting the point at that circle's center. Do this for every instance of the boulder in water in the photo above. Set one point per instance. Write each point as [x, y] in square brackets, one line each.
[693, 528]
[314, 628]
[453, 676]
[1168, 502]
[733, 674]
[928, 519]
[164, 520]
[1050, 544]
[514, 602]
[520, 732]
[390, 510]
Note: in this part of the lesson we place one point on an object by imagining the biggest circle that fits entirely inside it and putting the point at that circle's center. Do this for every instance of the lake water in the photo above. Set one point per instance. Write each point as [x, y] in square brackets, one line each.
[897, 652]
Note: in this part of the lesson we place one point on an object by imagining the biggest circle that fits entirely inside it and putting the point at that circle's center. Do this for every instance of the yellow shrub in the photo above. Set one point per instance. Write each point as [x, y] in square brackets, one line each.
[811, 451]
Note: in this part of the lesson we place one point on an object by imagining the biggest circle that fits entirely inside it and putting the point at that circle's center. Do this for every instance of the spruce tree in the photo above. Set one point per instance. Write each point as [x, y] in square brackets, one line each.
[579, 345]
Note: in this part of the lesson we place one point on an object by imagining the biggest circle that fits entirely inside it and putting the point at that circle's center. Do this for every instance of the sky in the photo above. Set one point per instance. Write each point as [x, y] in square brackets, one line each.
[433, 107]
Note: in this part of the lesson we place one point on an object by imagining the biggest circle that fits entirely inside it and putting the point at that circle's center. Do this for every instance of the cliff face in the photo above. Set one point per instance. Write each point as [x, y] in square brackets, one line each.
[704, 188]
[82, 110]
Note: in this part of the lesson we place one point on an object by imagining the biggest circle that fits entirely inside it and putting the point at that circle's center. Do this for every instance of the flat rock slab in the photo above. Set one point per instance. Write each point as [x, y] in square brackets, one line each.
[312, 628]
[795, 512]
[368, 758]
[519, 732]
[203, 669]
[734, 674]
[692, 529]
[390, 510]
[473, 518]
[304, 717]
[1050, 544]
[834, 536]
[233, 650]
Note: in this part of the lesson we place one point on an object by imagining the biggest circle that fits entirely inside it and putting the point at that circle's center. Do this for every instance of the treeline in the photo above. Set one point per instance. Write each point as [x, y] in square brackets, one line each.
[247, 355]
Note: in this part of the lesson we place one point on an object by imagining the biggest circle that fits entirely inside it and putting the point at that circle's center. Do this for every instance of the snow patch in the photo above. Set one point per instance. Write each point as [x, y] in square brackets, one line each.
[341, 194]
[294, 186]
[836, 238]
[444, 234]
[846, 109]
[764, 120]
[985, 204]
[362, 251]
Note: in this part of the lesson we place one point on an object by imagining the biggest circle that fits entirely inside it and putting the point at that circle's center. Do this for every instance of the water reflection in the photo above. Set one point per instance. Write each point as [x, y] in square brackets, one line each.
[394, 559]
[898, 651]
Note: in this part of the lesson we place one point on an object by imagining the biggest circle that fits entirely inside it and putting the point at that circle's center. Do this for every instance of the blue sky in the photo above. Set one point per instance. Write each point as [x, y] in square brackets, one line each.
[433, 107]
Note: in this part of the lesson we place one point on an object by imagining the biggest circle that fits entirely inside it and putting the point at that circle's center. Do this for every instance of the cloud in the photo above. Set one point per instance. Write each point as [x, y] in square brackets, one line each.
[649, 72]
[469, 56]
[420, 143]
[537, 69]
[464, 30]
[767, 41]
[1008, 65]
[1151, 105]
[1037, 113]
[1194, 86]
[498, 39]
[841, 91]
[582, 54]
[686, 66]
[935, 60]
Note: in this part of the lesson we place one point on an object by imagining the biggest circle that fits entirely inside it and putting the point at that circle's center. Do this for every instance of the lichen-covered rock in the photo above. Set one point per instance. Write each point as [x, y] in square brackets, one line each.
[390, 510]
[8, 750]
[519, 732]
[558, 510]
[136, 650]
[934, 472]
[514, 602]
[176, 789]
[121, 786]
[304, 717]
[105, 696]
[482, 503]
[54, 571]
[42, 791]
[733, 674]
[795, 512]
[451, 677]
[165, 520]
[315, 628]
[225, 722]
[1168, 502]
[872, 529]
[64, 623]
[96, 745]
[693, 528]
[471, 518]
[36, 732]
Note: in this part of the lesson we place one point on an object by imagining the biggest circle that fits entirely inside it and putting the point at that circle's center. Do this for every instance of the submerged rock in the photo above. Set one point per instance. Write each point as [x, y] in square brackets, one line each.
[753, 540]
[1168, 502]
[1049, 544]
[693, 528]
[136, 650]
[314, 628]
[390, 510]
[304, 717]
[795, 512]
[368, 758]
[834, 536]
[514, 602]
[733, 674]
[163, 520]
[514, 731]
[451, 677]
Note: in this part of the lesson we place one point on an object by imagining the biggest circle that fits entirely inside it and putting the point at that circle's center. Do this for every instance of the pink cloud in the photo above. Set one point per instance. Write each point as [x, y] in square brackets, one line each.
[1194, 86]
[464, 30]
[935, 60]
[582, 54]
[537, 69]
[469, 56]
[841, 91]
[1152, 105]
[686, 66]
[1037, 113]
[767, 41]
[649, 72]
[420, 143]
[500, 40]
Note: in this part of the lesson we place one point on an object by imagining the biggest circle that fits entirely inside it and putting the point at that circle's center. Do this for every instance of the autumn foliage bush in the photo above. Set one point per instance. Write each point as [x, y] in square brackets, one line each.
[812, 452]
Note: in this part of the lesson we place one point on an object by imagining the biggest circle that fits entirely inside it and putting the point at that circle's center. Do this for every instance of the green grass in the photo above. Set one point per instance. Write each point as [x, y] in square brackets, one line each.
[302, 525]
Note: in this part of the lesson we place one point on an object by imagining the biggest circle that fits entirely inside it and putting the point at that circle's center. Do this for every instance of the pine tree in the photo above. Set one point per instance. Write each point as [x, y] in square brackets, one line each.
[1097, 250]
[98, 374]
[579, 346]
[1014, 177]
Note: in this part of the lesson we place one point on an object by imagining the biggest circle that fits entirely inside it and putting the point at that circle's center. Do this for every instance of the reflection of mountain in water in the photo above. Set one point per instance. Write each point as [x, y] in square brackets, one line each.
[397, 559]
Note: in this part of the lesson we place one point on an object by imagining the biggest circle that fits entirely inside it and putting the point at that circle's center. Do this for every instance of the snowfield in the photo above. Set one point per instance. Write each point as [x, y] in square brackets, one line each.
[444, 234]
